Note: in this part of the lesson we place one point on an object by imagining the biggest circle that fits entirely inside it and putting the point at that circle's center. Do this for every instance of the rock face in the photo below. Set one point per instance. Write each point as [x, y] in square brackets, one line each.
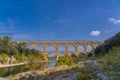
[96, 68]
[38, 75]
[110, 67]
[101, 76]
[11, 60]
[93, 65]
[118, 66]
[67, 77]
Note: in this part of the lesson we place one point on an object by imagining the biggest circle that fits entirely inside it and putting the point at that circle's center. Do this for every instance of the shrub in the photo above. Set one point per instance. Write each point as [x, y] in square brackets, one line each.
[108, 44]
[21, 58]
[84, 76]
[65, 60]
[4, 58]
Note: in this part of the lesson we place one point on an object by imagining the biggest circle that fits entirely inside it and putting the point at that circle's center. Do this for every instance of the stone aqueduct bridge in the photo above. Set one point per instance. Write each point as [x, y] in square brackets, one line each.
[65, 43]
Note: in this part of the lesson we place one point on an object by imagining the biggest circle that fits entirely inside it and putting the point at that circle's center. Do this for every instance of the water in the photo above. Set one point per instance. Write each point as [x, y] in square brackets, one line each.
[7, 71]
[52, 63]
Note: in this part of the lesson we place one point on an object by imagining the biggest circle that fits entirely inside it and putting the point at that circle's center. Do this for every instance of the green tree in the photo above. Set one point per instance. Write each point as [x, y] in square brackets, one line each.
[109, 44]
[6, 40]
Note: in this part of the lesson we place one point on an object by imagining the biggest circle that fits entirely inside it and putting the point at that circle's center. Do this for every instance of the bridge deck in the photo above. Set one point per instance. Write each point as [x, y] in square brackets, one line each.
[59, 41]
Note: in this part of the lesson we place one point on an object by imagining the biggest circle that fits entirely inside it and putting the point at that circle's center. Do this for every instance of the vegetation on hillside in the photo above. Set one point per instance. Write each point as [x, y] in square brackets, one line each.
[108, 44]
[106, 62]
[71, 60]
[20, 51]
[65, 60]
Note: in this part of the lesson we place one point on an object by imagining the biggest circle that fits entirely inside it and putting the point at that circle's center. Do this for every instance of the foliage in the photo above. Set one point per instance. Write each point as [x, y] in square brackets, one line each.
[40, 56]
[108, 44]
[78, 58]
[7, 46]
[113, 56]
[3, 58]
[21, 58]
[65, 60]
[19, 50]
[110, 61]
[84, 76]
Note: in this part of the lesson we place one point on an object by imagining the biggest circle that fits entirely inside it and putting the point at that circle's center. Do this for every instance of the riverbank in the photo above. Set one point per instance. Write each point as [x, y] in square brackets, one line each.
[42, 75]
[17, 64]
[12, 65]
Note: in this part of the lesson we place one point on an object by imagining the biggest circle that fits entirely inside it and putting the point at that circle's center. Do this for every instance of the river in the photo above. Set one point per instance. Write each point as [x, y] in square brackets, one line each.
[7, 71]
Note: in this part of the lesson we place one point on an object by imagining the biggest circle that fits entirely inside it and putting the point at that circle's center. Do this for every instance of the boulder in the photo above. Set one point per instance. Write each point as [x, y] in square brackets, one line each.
[88, 62]
[8, 60]
[110, 67]
[119, 73]
[118, 66]
[102, 76]
[11, 60]
[93, 66]
[33, 76]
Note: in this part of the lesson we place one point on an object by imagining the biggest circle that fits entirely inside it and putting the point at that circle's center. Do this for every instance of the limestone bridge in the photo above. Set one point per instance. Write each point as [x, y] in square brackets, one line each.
[65, 43]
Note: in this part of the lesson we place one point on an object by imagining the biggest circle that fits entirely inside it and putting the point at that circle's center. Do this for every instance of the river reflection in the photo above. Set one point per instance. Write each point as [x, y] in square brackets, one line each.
[52, 63]
[4, 72]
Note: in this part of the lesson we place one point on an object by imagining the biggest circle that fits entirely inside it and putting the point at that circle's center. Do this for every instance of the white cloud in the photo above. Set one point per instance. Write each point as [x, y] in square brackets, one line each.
[114, 21]
[95, 33]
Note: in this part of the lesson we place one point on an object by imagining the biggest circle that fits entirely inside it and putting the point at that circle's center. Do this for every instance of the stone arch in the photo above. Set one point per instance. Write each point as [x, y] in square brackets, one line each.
[40, 48]
[30, 46]
[89, 48]
[80, 48]
[71, 48]
[50, 49]
[60, 55]
[61, 48]
[50, 55]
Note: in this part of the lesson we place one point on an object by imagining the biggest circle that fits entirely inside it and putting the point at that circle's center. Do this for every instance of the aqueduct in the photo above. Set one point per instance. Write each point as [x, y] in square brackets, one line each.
[65, 43]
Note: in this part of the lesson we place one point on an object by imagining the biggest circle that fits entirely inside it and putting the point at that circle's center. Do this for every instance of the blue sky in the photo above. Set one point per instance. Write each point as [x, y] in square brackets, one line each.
[59, 19]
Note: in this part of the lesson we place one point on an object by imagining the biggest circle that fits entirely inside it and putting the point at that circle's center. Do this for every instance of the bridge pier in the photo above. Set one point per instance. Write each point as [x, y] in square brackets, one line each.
[34, 46]
[93, 48]
[45, 52]
[76, 50]
[85, 49]
[56, 53]
[66, 47]
[45, 55]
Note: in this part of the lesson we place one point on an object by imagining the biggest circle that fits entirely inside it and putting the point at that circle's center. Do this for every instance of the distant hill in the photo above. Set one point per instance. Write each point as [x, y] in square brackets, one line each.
[109, 44]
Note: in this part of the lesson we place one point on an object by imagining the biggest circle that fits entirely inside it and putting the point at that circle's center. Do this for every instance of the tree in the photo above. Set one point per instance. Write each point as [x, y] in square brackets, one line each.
[108, 44]
[6, 40]
[22, 47]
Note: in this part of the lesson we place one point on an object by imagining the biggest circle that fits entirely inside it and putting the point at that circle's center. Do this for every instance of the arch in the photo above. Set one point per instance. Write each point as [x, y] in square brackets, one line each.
[40, 48]
[80, 48]
[89, 48]
[50, 49]
[30, 47]
[61, 48]
[71, 48]
[60, 55]
[50, 55]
